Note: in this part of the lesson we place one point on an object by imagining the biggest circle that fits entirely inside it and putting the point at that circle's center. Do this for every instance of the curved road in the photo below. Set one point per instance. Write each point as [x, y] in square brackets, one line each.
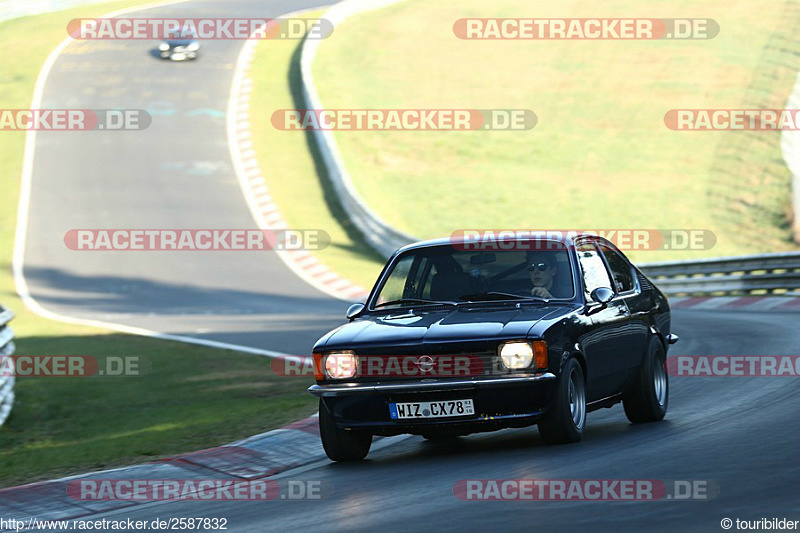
[176, 174]
[741, 433]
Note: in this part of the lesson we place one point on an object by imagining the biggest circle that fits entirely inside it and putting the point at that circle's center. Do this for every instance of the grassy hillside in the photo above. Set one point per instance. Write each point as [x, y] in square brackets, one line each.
[600, 156]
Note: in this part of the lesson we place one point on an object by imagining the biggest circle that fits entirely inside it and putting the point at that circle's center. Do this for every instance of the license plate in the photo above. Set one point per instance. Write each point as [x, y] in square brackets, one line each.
[443, 409]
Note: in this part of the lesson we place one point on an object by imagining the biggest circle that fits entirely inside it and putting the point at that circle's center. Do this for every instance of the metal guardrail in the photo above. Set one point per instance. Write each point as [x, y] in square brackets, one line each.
[6, 349]
[379, 235]
[727, 276]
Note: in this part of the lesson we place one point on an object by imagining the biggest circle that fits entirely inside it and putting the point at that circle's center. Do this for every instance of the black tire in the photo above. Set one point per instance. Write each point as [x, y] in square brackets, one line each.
[647, 398]
[565, 420]
[341, 445]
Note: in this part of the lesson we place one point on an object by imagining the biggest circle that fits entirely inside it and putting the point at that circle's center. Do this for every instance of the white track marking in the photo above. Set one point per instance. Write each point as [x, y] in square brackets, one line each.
[265, 213]
[23, 212]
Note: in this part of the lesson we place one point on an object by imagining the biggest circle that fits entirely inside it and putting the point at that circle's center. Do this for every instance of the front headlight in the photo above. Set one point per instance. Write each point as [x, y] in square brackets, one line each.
[163, 47]
[516, 354]
[341, 365]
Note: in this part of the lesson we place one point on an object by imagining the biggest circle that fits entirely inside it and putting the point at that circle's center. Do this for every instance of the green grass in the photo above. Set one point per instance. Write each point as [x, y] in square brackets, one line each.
[601, 156]
[193, 398]
[291, 166]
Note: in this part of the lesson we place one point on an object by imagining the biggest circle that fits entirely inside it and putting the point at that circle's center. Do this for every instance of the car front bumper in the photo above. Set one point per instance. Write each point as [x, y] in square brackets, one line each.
[179, 55]
[500, 402]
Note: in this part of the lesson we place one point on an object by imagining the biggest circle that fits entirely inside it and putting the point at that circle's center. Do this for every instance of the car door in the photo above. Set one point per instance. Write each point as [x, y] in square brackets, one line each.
[606, 343]
[638, 324]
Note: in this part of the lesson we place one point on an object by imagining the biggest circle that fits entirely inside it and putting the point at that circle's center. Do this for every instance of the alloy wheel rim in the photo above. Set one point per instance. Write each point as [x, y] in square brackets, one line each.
[660, 382]
[577, 399]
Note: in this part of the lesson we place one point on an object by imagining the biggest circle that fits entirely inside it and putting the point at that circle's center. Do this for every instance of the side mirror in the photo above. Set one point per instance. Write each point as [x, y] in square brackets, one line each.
[354, 311]
[602, 295]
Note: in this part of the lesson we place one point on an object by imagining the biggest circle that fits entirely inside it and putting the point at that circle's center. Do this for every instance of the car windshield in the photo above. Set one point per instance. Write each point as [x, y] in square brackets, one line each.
[437, 274]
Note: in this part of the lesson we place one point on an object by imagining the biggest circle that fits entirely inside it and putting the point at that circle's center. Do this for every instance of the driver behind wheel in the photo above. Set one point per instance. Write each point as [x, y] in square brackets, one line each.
[543, 270]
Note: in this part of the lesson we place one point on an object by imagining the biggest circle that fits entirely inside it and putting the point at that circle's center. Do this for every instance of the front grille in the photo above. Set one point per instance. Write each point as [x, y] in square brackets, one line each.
[398, 366]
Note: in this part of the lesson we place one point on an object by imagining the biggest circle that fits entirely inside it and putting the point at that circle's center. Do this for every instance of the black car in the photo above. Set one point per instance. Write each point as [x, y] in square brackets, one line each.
[494, 335]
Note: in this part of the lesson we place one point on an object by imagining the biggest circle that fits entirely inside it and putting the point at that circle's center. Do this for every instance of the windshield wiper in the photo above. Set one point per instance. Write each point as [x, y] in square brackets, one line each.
[414, 301]
[496, 295]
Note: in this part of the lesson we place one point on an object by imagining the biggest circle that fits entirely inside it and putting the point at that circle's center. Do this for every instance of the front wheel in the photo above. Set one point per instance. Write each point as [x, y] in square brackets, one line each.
[565, 420]
[647, 398]
[341, 445]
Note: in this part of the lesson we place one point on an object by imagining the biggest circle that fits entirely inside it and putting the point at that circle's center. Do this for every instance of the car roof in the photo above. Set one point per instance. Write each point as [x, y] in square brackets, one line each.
[566, 237]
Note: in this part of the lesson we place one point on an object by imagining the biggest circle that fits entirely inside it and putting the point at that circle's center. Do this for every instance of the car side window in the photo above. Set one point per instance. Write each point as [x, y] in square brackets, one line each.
[593, 269]
[620, 269]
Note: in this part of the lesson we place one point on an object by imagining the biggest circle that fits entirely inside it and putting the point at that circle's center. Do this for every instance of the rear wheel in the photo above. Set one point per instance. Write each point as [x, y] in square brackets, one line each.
[341, 445]
[565, 420]
[647, 398]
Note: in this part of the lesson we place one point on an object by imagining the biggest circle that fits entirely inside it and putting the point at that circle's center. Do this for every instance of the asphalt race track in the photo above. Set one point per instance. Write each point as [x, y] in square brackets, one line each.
[720, 429]
[176, 174]
[743, 434]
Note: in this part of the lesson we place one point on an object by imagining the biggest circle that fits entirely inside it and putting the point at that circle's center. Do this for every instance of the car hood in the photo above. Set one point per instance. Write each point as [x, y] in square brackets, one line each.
[453, 325]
